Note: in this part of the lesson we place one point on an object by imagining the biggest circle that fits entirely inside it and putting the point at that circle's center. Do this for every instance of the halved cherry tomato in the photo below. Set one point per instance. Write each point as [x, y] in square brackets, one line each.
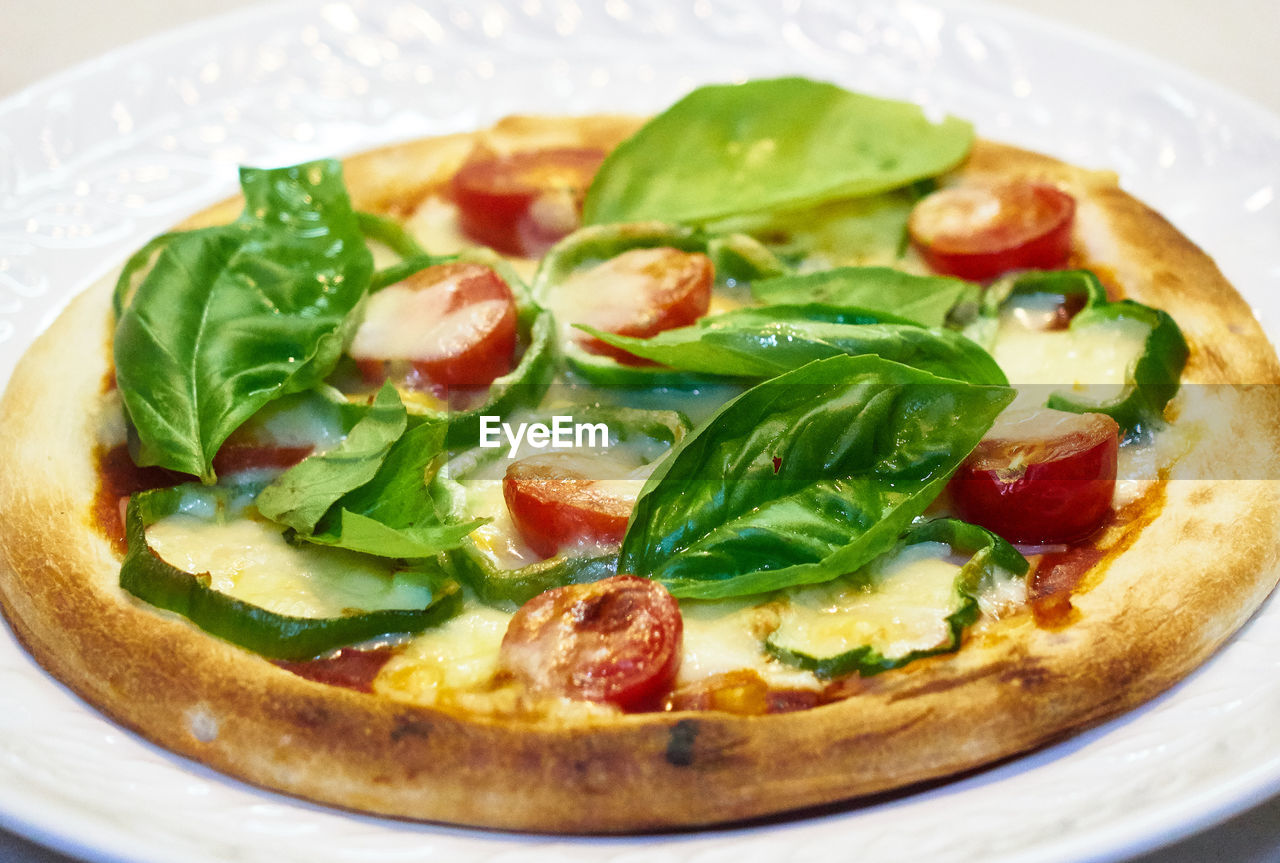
[451, 325]
[1042, 476]
[522, 203]
[979, 232]
[638, 293]
[562, 499]
[617, 641]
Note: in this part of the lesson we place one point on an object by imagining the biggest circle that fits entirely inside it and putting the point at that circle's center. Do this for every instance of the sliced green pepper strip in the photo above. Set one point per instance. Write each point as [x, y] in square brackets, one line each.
[525, 384]
[511, 588]
[390, 233]
[272, 635]
[992, 557]
[737, 259]
[1153, 378]
[405, 268]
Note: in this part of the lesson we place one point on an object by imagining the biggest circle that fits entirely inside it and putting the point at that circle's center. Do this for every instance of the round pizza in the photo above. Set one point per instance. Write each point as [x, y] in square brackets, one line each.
[600, 474]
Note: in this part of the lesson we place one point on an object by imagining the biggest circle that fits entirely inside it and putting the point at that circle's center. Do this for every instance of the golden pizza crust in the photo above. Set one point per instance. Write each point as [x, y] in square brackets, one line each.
[1182, 584]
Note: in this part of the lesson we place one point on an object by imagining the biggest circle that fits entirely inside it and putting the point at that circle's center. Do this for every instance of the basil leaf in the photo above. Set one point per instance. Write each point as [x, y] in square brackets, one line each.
[356, 532]
[270, 634]
[769, 145]
[862, 231]
[804, 477]
[229, 318]
[300, 496]
[931, 301]
[394, 513]
[135, 270]
[769, 340]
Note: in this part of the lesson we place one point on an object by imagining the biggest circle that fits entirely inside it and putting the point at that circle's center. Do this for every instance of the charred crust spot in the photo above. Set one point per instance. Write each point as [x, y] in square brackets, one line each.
[680, 740]
[1201, 496]
[407, 726]
[941, 684]
[606, 612]
[1025, 675]
[312, 715]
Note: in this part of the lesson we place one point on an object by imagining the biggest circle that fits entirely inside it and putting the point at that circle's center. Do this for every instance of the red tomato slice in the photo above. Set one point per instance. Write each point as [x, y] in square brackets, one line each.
[980, 232]
[1041, 476]
[521, 204]
[560, 499]
[453, 324]
[638, 293]
[617, 640]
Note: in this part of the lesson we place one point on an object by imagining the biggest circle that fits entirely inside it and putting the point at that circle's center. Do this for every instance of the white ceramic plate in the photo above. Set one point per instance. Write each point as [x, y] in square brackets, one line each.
[95, 161]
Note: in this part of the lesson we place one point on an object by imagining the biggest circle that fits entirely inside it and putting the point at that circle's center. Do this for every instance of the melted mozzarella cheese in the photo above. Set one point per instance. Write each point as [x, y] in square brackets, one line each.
[1090, 362]
[727, 635]
[901, 606]
[459, 655]
[498, 540]
[251, 561]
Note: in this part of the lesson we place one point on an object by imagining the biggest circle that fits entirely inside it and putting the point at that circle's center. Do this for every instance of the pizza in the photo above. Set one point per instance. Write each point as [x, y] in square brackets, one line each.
[607, 474]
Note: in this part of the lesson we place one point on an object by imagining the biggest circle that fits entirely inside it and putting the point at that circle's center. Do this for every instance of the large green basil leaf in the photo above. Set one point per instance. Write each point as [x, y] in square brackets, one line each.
[853, 232]
[804, 477]
[229, 318]
[931, 301]
[769, 145]
[768, 340]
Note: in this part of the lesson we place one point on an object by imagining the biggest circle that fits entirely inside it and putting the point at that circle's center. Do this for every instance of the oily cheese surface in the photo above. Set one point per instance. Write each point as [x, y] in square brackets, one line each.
[1179, 579]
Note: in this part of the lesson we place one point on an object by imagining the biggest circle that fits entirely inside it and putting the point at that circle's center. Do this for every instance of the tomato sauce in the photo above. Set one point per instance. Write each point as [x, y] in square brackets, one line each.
[1057, 575]
[349, 668]
[119, 477]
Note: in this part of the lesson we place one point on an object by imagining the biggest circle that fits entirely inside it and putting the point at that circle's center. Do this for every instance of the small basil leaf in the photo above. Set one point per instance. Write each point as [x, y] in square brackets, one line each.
[394, 514]
[356, 532]
[300, 496]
